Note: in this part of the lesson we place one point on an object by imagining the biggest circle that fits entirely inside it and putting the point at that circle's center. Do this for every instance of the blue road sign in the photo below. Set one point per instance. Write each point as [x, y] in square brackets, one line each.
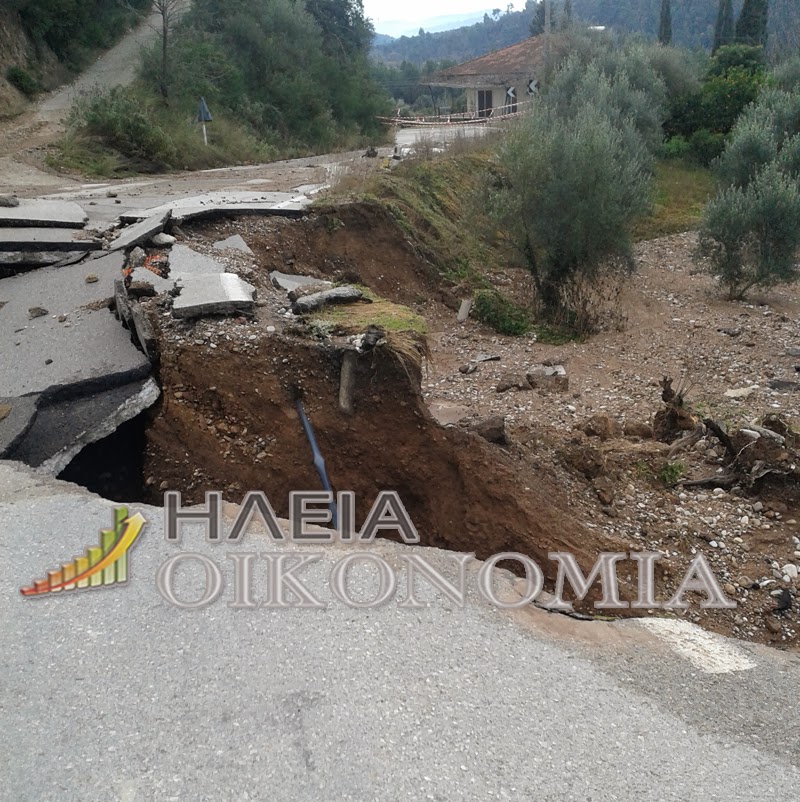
[203, 114]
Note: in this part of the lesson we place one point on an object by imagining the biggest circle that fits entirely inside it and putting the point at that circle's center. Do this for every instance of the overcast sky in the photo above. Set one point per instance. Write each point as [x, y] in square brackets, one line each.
[417, 11]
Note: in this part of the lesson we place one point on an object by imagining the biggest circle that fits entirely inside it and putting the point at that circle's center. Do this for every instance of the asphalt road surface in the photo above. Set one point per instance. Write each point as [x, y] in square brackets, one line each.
[115, 694]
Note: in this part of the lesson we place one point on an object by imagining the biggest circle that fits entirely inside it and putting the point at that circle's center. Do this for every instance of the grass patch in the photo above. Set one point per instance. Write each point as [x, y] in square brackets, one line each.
[670, 473]
[681, 192]
[356, 317]
[436, 202]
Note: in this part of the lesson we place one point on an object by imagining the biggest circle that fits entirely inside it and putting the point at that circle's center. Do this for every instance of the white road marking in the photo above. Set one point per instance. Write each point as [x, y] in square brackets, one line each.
[707, 651]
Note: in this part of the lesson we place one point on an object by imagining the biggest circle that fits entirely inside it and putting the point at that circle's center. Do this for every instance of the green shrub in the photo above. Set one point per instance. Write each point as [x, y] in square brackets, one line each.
[750, 235]
[502, 315]
[23, 80]
[740, 57]
[125, 122]
[752, 145]
[705, 146]
[786, 75]
[676, 147]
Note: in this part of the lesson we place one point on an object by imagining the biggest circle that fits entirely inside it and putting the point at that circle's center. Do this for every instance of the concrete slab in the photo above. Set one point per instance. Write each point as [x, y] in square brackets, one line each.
[141, 232]
[63, 429]
[86, 347]
[46, 239]
[285, 281]
[234, 243]
[213, 294]
[43, 214]
[16, 418]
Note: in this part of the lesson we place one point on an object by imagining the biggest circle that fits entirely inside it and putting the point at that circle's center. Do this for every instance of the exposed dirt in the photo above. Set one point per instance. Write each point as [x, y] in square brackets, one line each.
[227, 420]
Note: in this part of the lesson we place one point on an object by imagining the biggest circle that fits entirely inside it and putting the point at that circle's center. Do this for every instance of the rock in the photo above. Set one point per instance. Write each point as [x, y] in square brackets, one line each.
[8, 201]
[745, 582]
[773, 625]
[611, 512]
[638, 429]
[136, 258]
[783, 385]
[511, 381]
[604, 489]
[371, 152]
[740, 392]
[492, 429]
[790, 570]
[549, 378]
[308, 289]
[37, 311]
[470, 367]
[91, 279]
[5, 410]
[163, 240]
[603, 426]
[464, 310]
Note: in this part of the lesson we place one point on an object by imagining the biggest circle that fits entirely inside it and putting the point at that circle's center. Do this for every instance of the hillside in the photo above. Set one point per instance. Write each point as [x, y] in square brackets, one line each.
[692, 24]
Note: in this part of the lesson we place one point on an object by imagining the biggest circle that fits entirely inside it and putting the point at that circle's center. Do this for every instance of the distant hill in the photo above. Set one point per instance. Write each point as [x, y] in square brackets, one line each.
[692, 26]
[459, 44]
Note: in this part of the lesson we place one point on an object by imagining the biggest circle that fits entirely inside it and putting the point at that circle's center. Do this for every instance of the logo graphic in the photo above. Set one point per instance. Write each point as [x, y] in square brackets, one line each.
[106, 564]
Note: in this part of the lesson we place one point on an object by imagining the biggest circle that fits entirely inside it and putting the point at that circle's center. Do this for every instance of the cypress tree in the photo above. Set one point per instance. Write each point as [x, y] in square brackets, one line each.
[751, 27]
[566, 15]
[723, 31]
[665, 24]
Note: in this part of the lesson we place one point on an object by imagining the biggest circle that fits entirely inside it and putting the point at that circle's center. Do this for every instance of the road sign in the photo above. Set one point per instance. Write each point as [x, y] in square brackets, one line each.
[203, 114]
[533, 86]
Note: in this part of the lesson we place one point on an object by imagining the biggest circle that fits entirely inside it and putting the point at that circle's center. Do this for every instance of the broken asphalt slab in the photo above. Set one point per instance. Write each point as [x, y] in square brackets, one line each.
[213, 294]
[221, 204]
[87, 347]
[63, 428]
[141, 232]
[183, 261]
[43, 214]
[318, 300]
[46, 239]
[285, 281]
[16, 418]
[235, 243]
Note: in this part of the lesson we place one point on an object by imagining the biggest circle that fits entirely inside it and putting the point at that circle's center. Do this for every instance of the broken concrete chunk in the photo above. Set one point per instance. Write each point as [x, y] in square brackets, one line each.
[144, 331]
[284, 281]
[234, 243]
[141, 232]
[212, 294]
[464, 310]
[336, 295]
[122, 305]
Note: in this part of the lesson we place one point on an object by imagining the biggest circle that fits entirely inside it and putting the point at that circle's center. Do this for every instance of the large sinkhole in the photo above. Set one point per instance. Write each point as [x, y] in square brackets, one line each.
[114, 466]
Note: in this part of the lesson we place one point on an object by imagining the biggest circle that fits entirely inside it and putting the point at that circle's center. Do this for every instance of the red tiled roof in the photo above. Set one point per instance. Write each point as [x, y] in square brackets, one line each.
[510, 65]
